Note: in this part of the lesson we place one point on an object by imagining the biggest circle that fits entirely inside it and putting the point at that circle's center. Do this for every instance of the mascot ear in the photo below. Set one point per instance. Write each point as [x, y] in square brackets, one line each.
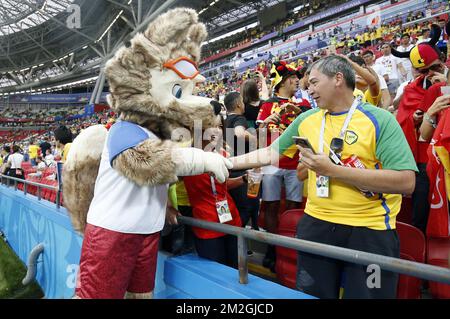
[435, 34]
[173, 26]
[403, 55]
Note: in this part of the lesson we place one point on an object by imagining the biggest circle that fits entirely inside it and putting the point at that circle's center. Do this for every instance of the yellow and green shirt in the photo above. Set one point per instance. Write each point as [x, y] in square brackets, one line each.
[377, 139]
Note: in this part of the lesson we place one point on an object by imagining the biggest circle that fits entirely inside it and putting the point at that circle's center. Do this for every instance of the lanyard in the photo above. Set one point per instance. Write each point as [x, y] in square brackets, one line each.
[355, 104]
[213, 186]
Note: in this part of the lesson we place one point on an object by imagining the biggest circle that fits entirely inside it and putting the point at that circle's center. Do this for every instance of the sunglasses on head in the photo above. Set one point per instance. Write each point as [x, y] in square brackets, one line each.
[184, 67]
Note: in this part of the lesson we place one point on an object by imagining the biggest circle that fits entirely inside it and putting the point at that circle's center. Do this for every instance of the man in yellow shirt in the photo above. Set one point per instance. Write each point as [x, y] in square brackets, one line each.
[33, 150]
[358, 208]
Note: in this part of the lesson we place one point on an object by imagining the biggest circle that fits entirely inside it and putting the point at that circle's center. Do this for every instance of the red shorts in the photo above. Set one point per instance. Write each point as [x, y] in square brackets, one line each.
[113, 263]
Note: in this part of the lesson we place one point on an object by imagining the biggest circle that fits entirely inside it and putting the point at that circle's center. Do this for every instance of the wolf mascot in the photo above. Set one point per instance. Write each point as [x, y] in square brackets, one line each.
[115, 182]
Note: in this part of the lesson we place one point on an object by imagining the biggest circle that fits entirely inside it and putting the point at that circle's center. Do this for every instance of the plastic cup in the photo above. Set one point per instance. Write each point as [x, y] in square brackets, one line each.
[254, 182]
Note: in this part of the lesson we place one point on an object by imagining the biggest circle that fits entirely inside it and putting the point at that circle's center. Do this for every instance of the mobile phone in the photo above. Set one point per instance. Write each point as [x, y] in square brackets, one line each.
[303, 142]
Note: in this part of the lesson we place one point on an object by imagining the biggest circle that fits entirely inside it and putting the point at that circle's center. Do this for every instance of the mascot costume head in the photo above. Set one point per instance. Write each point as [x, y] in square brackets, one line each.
[115, 182]
[151, 82]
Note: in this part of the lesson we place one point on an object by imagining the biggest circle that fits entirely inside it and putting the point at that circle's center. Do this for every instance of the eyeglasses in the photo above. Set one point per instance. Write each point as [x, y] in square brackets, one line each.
[184, 67]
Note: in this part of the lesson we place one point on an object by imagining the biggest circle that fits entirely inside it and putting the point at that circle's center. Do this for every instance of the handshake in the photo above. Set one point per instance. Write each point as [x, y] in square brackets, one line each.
[193, 161]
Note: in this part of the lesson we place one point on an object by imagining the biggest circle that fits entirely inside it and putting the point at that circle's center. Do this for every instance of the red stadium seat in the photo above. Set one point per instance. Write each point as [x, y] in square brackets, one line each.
[26, 165]
[412, 247]
[438, 254]
[286, 261]
[45, 192]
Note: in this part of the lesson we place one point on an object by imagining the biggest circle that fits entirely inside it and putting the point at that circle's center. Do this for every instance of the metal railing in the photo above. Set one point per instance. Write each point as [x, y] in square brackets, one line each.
[26, 183]
[397, 265]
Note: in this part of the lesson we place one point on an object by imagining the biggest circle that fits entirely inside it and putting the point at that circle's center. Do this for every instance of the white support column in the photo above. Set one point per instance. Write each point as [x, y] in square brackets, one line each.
[100, 87]
[94, 92]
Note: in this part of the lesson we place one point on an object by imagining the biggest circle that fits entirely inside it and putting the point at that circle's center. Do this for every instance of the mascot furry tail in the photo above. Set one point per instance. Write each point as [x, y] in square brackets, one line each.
[80, 172]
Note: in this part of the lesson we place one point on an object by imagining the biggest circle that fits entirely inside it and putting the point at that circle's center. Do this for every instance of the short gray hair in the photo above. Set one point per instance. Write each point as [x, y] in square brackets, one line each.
[333, 64]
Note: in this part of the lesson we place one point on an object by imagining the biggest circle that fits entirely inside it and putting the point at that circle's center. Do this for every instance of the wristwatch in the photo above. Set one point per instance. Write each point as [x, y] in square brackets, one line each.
[430, 120]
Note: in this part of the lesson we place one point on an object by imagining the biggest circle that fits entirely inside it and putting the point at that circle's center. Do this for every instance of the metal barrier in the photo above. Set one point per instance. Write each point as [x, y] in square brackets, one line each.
[397, 265]
[27, 183]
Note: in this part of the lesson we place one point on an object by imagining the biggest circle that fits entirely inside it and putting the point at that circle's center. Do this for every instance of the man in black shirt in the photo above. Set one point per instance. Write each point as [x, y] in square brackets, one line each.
[45, 145]
[241, 141]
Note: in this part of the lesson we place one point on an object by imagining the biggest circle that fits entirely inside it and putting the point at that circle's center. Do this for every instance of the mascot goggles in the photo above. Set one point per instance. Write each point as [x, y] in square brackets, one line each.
[184, 67]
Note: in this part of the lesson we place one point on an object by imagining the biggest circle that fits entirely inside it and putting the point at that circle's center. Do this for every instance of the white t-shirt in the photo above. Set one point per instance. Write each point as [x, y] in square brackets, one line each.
[379, 69]
[119, 204]
[383, 85]
[400, 90]
[390, 63]
[16, 160]
[406, 63]
[41, 166]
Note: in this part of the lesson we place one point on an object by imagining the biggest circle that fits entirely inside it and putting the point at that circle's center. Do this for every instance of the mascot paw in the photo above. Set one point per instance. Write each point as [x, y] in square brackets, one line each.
[194, 161]
[217, 165]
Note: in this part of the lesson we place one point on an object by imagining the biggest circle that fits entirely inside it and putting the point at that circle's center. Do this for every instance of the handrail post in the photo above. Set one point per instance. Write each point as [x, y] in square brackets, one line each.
[58, 195]
[39, 192]
[25, 188]
[242, 259]
[15, 184]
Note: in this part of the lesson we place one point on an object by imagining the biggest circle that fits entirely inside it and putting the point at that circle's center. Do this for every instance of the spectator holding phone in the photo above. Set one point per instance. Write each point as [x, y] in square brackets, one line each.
[435, 102]
[345, 217]
[436, 107]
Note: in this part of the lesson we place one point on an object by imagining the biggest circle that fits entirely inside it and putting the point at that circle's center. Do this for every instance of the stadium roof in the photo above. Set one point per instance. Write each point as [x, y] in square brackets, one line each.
[18, 15]
[40, 45]
[222, 16]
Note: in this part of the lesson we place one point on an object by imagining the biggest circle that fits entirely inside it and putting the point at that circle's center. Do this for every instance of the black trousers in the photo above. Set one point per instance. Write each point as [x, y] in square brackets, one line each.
[247, 207]
[180, 240]
[322, 277]
[222, 249]
[420, 204]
